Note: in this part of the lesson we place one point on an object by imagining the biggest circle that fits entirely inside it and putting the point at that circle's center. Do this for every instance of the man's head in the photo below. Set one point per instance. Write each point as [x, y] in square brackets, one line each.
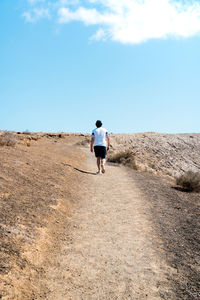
[98, 123]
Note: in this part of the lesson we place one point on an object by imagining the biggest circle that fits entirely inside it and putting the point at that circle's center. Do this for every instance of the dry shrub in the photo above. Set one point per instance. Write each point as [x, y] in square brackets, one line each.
[35, 138]
[126, 158]
[85, 142]
[189, 181]
[8, 139]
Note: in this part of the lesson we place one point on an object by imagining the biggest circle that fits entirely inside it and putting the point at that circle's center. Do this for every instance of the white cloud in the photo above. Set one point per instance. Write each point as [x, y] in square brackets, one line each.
[99, 35]
[133, 21]
[39, 9]
[85, 15]
[36, 14]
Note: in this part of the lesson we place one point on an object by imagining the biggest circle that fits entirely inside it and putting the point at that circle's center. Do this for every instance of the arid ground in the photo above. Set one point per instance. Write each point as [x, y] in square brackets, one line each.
[67, 233]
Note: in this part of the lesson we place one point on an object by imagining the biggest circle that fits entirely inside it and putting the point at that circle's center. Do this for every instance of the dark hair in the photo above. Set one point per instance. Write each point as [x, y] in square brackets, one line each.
[98, 123]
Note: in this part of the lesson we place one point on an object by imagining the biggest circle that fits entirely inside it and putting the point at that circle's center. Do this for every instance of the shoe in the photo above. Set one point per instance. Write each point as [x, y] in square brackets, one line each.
[103, 168]
[99, 172]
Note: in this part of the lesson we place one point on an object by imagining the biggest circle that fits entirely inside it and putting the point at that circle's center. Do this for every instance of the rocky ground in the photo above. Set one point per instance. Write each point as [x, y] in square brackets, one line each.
[162, 154]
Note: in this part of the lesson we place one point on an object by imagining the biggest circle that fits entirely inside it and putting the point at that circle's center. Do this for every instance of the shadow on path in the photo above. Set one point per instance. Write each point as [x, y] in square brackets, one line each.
[181, 189]
[79, 170]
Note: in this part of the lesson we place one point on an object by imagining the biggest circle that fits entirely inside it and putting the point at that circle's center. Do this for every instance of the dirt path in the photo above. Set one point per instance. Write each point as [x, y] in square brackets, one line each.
[111, 250]
[69, 234]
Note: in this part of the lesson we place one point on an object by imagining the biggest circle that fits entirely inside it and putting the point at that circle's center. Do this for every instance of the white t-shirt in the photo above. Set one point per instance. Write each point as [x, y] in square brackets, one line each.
[99, 135]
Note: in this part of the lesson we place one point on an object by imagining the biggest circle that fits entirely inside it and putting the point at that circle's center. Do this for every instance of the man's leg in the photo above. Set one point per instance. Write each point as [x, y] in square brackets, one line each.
[99, 163]
[103, 165]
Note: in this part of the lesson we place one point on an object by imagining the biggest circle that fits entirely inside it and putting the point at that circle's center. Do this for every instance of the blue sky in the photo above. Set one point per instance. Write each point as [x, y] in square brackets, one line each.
[135, 65]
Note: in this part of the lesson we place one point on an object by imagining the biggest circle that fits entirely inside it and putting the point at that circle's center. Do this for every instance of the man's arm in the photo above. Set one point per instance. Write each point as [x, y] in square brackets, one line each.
[108, 143]
[92, 144]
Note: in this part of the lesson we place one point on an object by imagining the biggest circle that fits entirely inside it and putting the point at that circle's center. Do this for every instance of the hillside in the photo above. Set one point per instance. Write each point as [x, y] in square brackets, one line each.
[162, 154]
[33, 181]
[68, 234]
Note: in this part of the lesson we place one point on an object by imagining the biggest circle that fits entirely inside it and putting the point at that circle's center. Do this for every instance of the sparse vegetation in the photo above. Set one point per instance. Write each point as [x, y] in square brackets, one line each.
[8, 139]
[189, 181]
[161, 154]
[84, 142]
[126, 158]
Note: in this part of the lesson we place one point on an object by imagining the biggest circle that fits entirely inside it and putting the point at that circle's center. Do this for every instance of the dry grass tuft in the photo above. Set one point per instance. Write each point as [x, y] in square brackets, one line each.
[126, 158]
[84, 142]
[8, 139]
[189, 181]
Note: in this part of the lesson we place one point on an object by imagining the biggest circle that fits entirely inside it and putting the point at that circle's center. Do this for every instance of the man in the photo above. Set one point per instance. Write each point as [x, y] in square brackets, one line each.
[100, 143]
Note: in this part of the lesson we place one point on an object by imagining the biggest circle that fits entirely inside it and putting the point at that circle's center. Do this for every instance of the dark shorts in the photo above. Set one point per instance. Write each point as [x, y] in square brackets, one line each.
[100, 151]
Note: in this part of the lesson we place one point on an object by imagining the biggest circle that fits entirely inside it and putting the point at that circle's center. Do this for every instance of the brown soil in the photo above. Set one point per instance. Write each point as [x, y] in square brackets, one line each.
[67, 233]
[175, 215]
[37, 192]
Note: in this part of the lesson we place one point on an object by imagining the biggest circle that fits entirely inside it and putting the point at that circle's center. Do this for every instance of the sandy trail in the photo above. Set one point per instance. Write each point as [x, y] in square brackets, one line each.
[111, 250]
[69, 234]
